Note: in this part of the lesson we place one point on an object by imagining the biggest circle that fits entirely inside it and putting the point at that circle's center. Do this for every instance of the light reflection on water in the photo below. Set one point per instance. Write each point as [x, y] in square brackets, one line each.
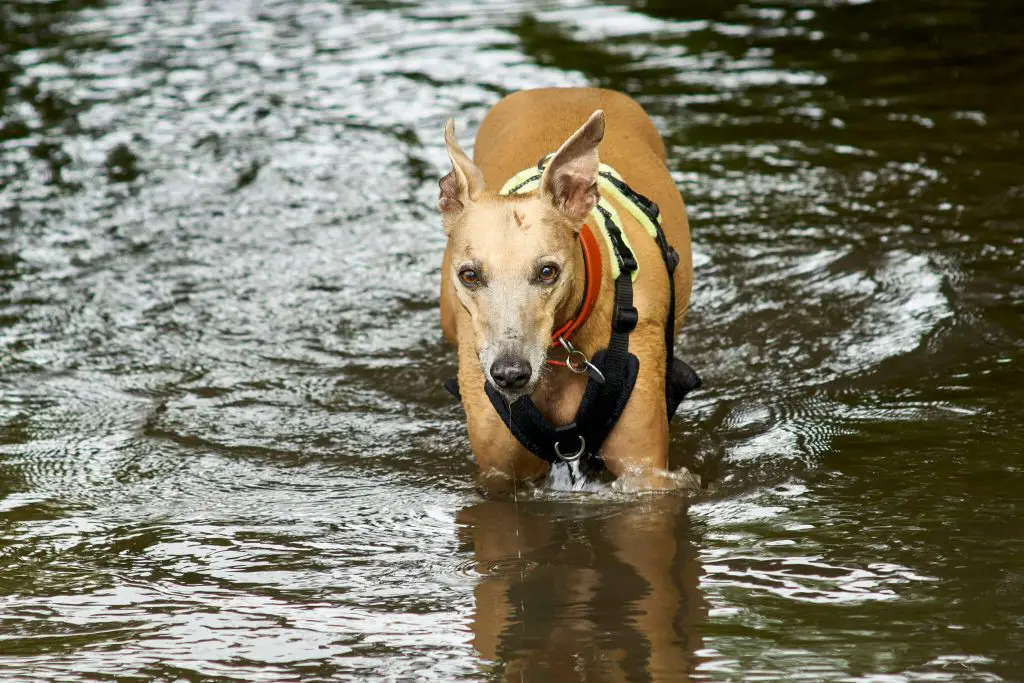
[224, 450]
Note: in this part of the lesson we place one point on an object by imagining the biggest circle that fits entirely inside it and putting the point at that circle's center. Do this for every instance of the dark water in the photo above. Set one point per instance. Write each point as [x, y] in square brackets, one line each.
[224, 451]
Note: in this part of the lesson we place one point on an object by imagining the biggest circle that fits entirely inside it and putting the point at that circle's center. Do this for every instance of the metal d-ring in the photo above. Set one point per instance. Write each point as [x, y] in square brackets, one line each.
[575, 456]
[578, 363]
[575, 359]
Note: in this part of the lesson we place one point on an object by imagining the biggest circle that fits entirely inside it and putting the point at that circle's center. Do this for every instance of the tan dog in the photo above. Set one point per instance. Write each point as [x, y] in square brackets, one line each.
[513, 270]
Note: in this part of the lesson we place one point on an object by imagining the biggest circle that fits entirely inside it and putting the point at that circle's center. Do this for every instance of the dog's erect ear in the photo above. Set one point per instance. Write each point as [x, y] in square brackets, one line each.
[463, 184]
[570, 179]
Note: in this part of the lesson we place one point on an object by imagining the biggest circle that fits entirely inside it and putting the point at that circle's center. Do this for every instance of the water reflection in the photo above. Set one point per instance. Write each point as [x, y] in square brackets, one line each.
[584, 591]
[224, 450]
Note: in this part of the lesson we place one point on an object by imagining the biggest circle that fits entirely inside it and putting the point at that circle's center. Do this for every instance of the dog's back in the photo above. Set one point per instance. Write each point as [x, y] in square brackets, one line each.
[536, 122]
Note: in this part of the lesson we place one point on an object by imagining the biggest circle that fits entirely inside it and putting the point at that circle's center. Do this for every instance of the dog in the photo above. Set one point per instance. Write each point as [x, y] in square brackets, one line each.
[515, 270]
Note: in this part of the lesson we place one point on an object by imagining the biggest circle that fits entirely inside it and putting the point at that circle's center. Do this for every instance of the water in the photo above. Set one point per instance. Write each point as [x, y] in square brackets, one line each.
[224, 449]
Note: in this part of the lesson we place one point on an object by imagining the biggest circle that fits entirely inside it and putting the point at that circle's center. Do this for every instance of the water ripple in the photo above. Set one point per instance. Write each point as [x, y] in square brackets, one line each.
[224, 450]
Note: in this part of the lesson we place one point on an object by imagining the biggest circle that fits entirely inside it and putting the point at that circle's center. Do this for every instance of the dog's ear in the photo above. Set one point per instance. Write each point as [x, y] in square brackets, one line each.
[570, 179]
[463, 184]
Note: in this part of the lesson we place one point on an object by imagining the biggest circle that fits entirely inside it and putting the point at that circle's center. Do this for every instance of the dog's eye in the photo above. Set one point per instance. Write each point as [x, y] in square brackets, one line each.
[469, 277]
[548, 273]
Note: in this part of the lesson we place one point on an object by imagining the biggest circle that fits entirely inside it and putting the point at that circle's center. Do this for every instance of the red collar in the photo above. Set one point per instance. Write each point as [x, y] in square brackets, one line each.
[593, 269]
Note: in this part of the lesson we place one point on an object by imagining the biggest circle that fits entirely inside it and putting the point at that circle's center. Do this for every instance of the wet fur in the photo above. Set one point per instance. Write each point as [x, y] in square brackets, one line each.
[508, 231]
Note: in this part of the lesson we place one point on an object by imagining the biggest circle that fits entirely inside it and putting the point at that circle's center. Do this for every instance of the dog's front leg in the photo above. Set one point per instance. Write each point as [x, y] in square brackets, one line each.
[503, 461]
[636, 451]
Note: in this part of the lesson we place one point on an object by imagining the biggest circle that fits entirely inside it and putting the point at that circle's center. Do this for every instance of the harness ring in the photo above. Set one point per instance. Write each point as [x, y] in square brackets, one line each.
[575, 359]
[575, 456]
[577, 362]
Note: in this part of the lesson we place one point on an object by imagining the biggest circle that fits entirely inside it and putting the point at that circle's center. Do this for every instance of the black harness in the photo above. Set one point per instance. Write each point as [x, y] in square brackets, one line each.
[602, 402]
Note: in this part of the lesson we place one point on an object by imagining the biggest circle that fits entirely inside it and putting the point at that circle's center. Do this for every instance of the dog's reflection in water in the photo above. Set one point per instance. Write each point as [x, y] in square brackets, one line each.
[595, 592]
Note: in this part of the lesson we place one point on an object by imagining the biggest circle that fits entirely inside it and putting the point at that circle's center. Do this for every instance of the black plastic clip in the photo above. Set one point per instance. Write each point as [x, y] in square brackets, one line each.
[671, 260]
[628, 262]
[625, 319]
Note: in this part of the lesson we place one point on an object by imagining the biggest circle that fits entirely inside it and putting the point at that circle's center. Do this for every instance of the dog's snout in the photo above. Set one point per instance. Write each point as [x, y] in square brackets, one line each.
[511, 373]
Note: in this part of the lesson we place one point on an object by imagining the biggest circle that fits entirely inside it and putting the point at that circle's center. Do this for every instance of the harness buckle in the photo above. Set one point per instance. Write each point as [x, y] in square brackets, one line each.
[573, 457]
[625, 319]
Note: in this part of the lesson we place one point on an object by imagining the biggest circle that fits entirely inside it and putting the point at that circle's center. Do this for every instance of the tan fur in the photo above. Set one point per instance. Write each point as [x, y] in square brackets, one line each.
[663, 616]
[511, 231]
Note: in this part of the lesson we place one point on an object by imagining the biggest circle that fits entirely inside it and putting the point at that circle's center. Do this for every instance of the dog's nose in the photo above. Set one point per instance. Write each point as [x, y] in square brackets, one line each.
[510, 373]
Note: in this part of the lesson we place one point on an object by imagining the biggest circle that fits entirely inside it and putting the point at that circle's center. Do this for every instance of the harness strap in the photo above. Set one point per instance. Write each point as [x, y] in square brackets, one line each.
[674, 375]
[603, 403]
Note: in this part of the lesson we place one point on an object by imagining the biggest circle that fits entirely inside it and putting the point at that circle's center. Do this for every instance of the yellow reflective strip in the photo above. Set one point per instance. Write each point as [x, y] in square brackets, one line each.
[518, 179]
[608, 190]
[635, 211]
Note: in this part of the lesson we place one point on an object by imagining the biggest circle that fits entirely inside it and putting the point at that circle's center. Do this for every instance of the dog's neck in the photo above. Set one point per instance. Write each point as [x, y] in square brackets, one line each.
[593, 335]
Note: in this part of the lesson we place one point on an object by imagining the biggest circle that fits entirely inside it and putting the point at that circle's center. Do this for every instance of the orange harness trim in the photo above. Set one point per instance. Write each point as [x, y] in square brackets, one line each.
[593, 269]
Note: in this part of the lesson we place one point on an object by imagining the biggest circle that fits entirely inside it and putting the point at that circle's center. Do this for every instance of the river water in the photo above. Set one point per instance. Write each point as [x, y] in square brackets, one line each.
[225, 453]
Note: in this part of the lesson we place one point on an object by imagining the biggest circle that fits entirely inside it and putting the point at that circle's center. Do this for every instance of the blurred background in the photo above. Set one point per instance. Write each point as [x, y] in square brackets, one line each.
[225, 453]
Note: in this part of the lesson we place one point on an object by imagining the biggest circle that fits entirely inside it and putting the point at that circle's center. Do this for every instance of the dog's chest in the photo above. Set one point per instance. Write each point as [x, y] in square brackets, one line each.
[558, 399]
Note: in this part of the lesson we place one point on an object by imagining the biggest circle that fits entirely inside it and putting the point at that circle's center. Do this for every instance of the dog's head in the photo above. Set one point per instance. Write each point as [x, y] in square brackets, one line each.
[513, 258]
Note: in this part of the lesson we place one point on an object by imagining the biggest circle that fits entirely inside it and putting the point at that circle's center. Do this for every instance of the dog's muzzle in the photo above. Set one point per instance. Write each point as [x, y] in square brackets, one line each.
[510, 373]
